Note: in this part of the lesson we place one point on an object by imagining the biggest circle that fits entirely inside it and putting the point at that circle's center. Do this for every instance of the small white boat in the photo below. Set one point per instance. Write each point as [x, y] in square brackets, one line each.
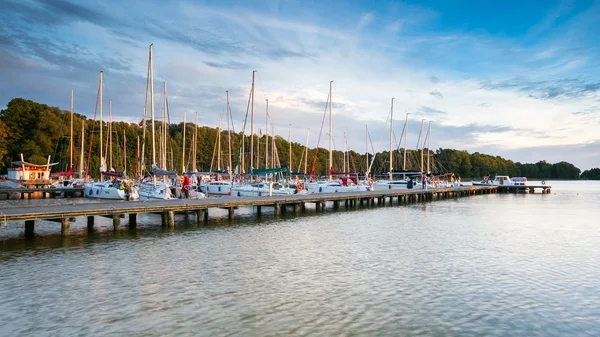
[216, 187]
[110, 190]
[333, 187]
[519, 182]
[159, 191]
[261, 189]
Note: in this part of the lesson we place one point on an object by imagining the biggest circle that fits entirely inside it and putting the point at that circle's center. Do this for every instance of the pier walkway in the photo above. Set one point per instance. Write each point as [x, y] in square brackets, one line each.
[116, 210]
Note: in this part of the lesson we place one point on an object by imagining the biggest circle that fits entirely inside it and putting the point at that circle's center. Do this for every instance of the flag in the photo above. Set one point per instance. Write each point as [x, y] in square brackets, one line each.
[141, 124]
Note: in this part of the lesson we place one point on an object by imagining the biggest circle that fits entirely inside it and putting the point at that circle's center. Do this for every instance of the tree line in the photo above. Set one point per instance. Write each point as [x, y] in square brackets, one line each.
[38, 131]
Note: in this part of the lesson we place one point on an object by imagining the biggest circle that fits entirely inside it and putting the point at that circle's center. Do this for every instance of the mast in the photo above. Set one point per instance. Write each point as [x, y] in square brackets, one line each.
[344, 154]
[138, 152]
[219, 145]
[195, 143]
[428, 146]
[252, 127]
[110, 157]
[152, 110]
[101, 154]
[141, 162]
[330, 132]
[183, 149]
[229, 170]
[81, 155]
[422, 144]
[71, 149]
[367, 150]
[391, 140]
[267, 136]
[306, 152]
[273, 164]
[124, 153]
[405, 135]
[290, 144]
[164, 127]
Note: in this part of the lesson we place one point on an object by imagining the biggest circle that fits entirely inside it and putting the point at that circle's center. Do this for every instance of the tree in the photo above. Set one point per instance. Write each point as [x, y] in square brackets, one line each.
[592, 174]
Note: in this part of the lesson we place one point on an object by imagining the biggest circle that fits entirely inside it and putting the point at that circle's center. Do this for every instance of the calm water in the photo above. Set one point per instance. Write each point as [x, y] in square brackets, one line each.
[493, 265]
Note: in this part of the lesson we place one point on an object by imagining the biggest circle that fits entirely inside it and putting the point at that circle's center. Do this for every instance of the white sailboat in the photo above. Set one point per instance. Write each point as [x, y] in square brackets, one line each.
[259, 188]
[154, 189]
[106, 189]
[333, 186]
[392, 183]
[220, 186]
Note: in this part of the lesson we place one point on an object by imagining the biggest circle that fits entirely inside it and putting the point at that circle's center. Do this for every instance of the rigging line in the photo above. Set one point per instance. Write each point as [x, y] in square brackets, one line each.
[379, 143]
[312, 168]
[87, 166]
[261, 86]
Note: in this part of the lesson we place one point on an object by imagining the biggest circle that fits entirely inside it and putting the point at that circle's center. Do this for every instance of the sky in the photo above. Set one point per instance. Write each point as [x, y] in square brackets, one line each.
[519, 79]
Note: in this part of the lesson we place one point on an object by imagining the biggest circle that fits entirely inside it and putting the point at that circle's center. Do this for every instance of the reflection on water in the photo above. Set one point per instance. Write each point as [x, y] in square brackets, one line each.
[501, 265]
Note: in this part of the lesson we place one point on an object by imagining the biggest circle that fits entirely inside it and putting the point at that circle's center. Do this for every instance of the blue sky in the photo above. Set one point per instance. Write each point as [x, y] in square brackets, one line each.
[519, 79]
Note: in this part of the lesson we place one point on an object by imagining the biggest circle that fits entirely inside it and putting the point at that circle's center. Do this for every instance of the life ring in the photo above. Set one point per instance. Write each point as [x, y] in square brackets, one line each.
[543, 182]
[299, 186]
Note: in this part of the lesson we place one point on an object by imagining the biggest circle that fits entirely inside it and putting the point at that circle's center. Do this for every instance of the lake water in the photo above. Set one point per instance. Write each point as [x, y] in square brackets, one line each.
[490, 265]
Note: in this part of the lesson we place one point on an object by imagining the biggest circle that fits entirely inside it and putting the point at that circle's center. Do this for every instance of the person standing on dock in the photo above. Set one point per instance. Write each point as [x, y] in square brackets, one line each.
[186, 186]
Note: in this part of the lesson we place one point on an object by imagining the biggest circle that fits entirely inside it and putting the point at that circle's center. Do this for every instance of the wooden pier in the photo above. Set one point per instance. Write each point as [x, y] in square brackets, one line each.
[29, 193]
[65, 214]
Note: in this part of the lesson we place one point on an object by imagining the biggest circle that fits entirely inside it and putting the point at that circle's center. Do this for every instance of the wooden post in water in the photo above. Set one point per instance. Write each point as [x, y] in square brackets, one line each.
[230, 212]
[65, 226]
[90, 223]
[170, 218]
[116, 222]
[258, 210]
[29, 229]
[132, 220]
[277, 208]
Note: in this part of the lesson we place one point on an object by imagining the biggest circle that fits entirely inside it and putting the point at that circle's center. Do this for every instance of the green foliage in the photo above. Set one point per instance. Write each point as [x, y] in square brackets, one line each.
[592, 174]
[37, 130]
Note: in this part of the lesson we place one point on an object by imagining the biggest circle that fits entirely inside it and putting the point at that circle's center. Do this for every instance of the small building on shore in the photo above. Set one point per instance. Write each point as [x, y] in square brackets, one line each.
[24, 171]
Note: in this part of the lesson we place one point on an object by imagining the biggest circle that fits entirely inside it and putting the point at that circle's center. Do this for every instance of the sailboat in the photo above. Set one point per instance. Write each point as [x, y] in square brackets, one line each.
[347, 183]
[66, 179]
[392, 183]
[115, 190]
[220, 186]
[153, 189]
[258, 187]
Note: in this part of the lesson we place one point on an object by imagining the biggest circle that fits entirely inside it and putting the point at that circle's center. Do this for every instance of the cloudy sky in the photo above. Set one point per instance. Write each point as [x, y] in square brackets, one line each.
[520, 79]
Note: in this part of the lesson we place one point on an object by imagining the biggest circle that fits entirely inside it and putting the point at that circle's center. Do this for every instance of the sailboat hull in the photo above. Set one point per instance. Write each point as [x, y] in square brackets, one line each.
[104, 191]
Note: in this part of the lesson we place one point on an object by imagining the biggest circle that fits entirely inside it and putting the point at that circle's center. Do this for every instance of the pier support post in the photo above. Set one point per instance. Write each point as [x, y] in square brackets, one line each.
[258, 210]
[336, 204]
[200, 216]
[230, 211]
[171, 219]
[90, 223]
[29, 229]
[323, 205]
[302, 206]
[277, 208]
[318, 206]
[116, 222]
[295, 207]
[65, 226]
[132, 220]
